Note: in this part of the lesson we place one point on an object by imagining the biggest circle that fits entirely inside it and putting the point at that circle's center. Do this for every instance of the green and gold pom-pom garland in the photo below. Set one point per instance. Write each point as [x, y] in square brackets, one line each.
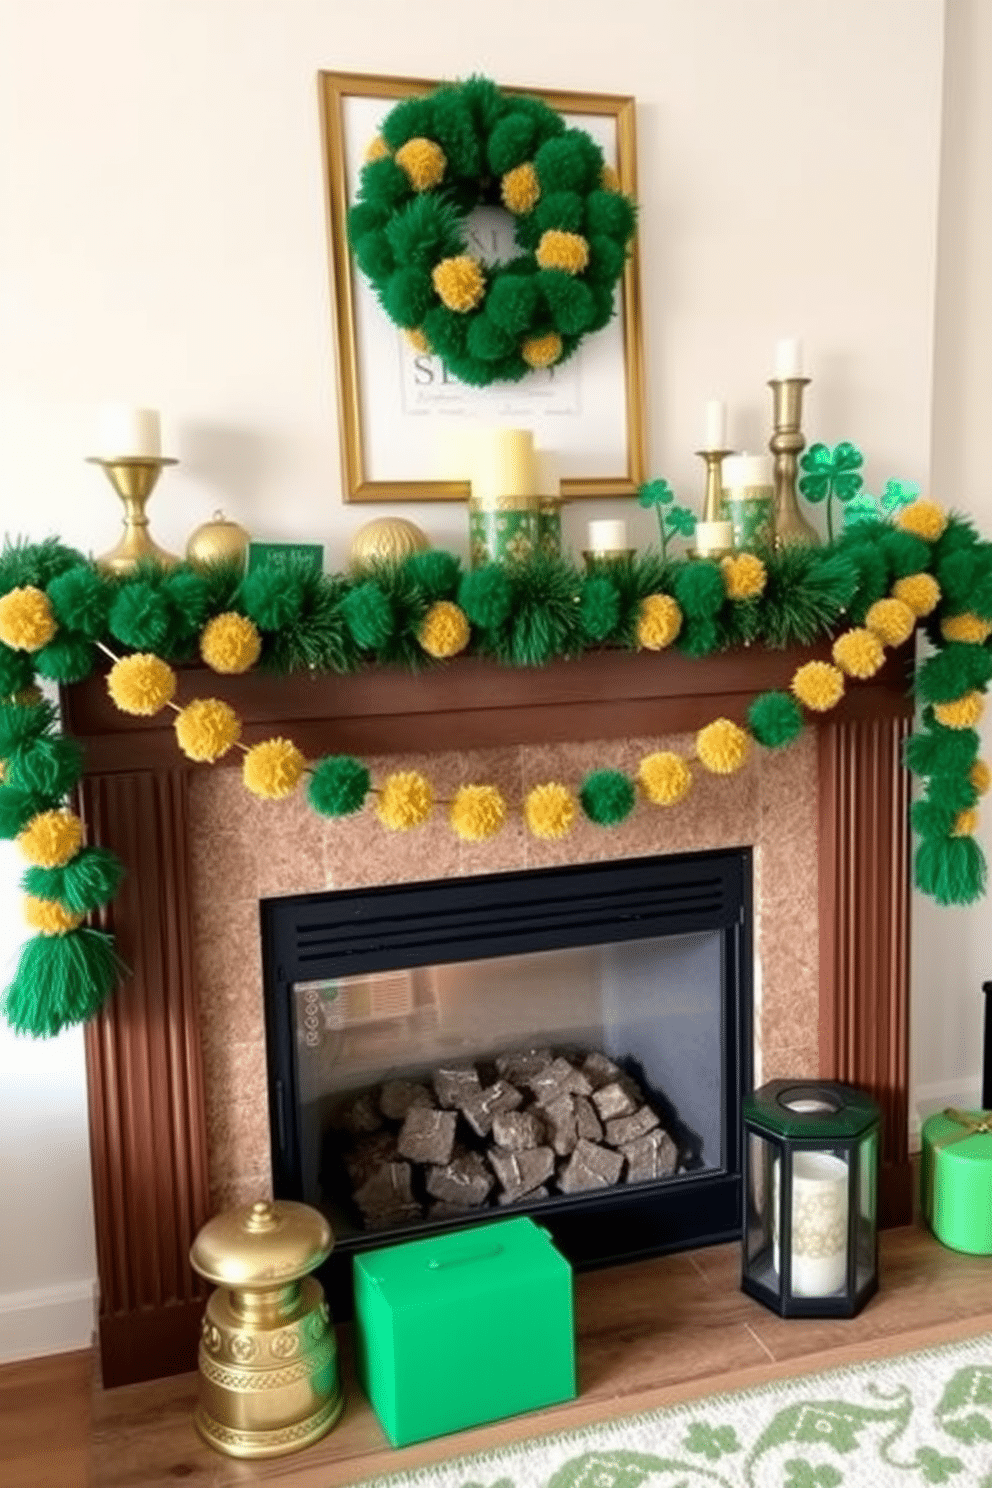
[868, 591]
[468, 145]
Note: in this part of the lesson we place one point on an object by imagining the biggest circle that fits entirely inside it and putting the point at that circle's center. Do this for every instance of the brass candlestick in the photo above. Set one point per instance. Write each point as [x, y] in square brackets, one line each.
[133, 477]
[713, 494]
[786, 444]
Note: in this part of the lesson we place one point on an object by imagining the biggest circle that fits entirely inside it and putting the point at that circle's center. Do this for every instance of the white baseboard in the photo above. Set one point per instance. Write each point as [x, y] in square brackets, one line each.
[930, 1098]
[48, 1320]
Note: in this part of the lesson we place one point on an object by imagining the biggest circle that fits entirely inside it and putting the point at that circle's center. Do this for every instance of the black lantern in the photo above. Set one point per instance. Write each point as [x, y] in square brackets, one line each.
[810, 1198]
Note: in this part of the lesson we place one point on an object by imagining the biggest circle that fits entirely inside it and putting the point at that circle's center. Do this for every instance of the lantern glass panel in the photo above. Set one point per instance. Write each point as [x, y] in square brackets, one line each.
[818, 1232]
[762, 1163]
[867, 1191]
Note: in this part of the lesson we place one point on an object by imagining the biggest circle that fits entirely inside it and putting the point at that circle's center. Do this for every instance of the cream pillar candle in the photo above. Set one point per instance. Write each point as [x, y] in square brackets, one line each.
[128, 433]
[504, 465]
[547, 481]
[716, 425]
[747, 472]
[607, 536]
[788, 358]
[714, 537]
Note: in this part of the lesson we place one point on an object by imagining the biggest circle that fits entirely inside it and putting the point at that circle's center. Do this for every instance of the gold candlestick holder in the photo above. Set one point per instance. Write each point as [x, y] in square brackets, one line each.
[787, 444]
[134, 477]
[713, 492]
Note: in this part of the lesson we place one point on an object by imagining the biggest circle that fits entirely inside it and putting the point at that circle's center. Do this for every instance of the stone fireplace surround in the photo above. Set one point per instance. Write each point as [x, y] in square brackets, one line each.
[176, 1062]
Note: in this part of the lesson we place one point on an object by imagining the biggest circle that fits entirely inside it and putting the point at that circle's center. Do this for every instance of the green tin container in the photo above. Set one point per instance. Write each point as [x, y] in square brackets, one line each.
[751, 512]
[956, 1174]
[507, 531]
[464, 1328]
[549, 528]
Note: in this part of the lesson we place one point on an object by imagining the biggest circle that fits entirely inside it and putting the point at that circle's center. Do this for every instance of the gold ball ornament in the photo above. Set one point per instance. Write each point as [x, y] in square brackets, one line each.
[218, 541]
[385, 540]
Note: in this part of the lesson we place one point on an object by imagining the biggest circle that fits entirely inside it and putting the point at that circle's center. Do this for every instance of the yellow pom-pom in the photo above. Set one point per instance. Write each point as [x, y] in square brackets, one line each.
[274, 769]
[562, 250]
[891, 620]
[416, 338]
[924, 519]
[477, 812]
[659, 620]
[818, 685]
[52, 838]
[920, 591]
[963, 713]
[141, 684]
[542, 351]
[206, 729]
[376, 149]
[744, 577]
[49, 917]
[550, 810]
[965, 823]
[608, 179]
[859, 653]
[980, 776]
[664, 778]
[405, 800]
[230, 644]
[520, 189]
[444, 631]
[968, 627]
[460, 283]
[423, 163]
[722, 747]
[26, 619]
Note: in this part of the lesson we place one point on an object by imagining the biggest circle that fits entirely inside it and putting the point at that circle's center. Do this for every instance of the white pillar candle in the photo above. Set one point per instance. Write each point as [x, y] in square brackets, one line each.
[128, 433]
[788, 357]
[547, 481]
[743, 472]
[819, 1223]
[504, 464]
[607, 536]
[716, 425]
[714, 537]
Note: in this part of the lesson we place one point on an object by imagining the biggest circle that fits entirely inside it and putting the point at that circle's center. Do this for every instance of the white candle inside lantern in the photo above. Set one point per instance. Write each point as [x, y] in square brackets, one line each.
[714, 537]
[504, 465]
[818, 1230]
[788, 357]
[716, 425]
[608, 536]
[125, 433]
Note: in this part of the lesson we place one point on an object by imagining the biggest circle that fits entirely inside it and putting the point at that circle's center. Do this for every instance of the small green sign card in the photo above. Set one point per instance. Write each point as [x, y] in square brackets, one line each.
[262, 554]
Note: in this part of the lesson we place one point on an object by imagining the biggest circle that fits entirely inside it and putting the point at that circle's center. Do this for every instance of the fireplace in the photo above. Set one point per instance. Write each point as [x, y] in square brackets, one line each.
[176, 1060]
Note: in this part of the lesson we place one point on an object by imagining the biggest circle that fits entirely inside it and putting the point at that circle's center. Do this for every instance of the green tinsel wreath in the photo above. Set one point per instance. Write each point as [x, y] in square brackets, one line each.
[468, 145]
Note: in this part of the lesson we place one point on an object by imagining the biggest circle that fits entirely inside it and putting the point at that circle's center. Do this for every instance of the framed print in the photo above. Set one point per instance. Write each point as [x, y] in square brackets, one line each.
[402, 414]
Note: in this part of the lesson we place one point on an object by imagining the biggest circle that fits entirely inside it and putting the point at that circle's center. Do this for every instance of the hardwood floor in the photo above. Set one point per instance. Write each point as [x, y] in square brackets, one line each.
[649, 1334]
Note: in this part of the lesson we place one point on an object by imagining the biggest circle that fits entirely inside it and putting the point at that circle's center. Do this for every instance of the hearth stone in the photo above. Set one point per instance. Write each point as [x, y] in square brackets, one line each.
[428, 1136]
[397, 1096]
[590, 1166]
[654, 1155]
[480, 1110]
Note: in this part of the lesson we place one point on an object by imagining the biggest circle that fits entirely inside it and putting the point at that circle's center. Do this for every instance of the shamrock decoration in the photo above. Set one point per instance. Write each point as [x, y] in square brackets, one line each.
[829, 473]
[866, 508]
[711, 1441]
[676, 519]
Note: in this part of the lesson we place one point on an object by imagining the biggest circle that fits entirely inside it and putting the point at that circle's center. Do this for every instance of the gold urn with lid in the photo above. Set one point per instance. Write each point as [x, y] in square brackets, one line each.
[268, 1354]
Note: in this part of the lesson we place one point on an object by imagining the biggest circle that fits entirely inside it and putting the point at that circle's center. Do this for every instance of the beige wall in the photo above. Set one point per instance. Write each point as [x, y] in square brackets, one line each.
[162, 241]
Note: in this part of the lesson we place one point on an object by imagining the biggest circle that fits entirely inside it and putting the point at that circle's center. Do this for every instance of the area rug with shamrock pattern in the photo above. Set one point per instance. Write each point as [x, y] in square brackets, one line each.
[910, 1420]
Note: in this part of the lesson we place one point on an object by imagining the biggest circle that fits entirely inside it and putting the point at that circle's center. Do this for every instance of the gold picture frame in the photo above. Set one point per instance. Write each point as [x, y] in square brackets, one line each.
[599, 403]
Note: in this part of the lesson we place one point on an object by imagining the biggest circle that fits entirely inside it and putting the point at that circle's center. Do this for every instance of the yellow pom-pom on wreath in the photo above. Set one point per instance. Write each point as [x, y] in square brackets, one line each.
[963, 713]
[891, 620]
[920, 591]
[550, 810]
[52, 838]
[608, 179]
[141, 684]
[444, 630]
[967, 627]
[520, 189]
[26, 619]
[980, 776]
[542, 351]
[744, 576]
[406, 800]
[818, 685]
[965, 823]
[49, 917]
[273, 769]
[722, 746]
[859, 653]
[924, 519]
[460, 283]
[477, 812]
[206, 729]
[664, 777]
[376, 149]
[423, 162]
[230, 644]
[659, 620]
[416, 338]
[562, 250]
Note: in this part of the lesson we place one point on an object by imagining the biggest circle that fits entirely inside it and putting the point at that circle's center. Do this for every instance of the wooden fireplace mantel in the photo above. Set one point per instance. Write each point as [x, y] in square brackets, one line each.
[144, 1065]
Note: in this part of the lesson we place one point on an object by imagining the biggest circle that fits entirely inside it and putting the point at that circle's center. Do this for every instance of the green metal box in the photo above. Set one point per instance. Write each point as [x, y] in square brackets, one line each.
[464, 1328]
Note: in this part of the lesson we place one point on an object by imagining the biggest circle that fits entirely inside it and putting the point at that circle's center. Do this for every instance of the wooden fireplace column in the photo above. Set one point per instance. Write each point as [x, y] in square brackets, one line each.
[144, 1067]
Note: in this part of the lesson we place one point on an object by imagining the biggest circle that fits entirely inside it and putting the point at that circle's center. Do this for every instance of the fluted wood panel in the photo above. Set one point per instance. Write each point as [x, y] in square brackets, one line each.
[150, 1178]
[864, 936]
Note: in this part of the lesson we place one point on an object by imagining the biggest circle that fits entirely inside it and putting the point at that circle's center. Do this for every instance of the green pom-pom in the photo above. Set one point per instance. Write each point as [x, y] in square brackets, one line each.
[699, 636]
[68, 658]
[957, 576]
[80, 600]
[188, 592]
[599, 608]
[953, 793]
[610, 214]
[425, 231]
[572, 161]
[512, 301]
[139, 616]
[384, 184]
[272, 596]
[454, 129]
[16, 671]
[775, 718]
[35, 565]
[487, 340]
[365, 217]
[486, 596]
[607, 258]
[570, 302]
[436, 573]
[511, 142]
[950, 869]
[932, 818]
[981, 598]
[49, 766]
[86, 882]
[338, 786]
[446, 331]
[412, 118]
[17, 807]
[958, 669]
[61, 980]
[907, 553]
[937, 749]
[408, 295]
[375, 256]
[607, 797]
[20, 726]
[369, 616]
[700, 591]
[561, 210]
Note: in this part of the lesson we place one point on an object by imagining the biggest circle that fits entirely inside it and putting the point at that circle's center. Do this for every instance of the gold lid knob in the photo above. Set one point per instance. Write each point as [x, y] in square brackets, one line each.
[268, 1243]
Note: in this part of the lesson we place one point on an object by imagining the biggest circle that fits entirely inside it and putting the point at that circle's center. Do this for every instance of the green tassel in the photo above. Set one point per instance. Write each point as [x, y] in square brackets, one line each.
[607, 797]
[61, 980]
[939, 750]
[950, 869]
[17, 807]
[952, 672]
[87, 881]
[47, 767]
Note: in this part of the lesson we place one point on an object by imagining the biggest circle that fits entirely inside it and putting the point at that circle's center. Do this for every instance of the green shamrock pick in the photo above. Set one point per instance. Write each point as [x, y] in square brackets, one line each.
[866, 508]
[831, 473]
[675, 520]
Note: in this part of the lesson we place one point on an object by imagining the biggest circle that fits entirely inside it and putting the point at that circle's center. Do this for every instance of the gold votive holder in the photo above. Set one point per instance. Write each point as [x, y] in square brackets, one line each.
[607, 557]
